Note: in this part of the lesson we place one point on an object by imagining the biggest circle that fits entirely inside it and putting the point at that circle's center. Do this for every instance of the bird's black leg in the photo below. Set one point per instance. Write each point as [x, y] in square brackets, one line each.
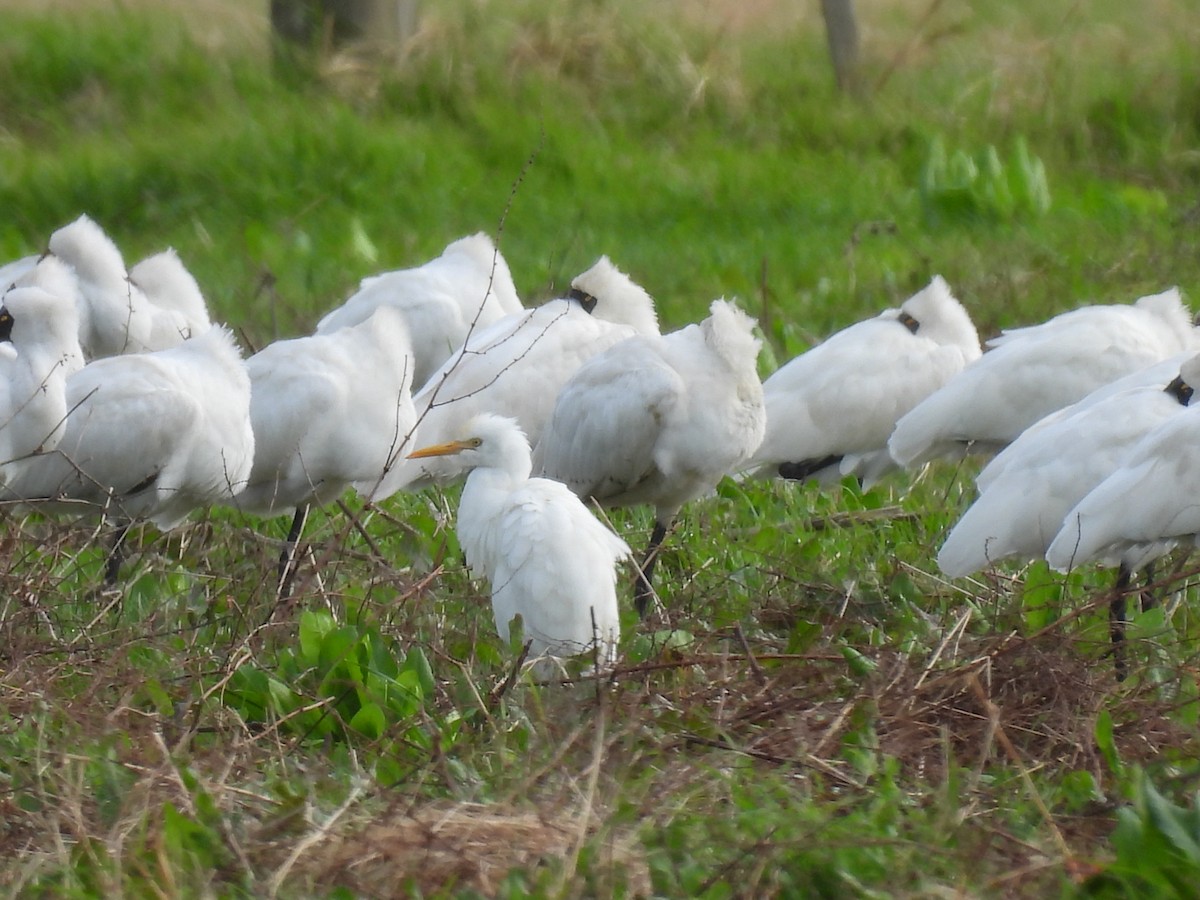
[287, 558]
[642, 591]
[1116, 621]
[116, 555]
[1149, 601]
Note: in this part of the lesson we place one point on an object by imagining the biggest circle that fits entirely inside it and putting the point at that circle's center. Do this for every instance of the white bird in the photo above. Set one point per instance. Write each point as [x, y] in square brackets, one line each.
[39, 343]
[149, 435]
[1030, 372]
[329, 411]
[114, 316]
[516, 367]
[1028, 489]
[1140, 512]
[52, 275]
[179, 310]
[831, 410]
[465, 289]
[1144, 508]
[547, 558]
[659, 420]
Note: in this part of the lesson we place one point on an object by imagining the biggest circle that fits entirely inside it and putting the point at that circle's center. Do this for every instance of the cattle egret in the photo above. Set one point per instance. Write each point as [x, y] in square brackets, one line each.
[1031, 372]
[179, 308]
[658, 420]
[468, 287]
[831, 410]
[149, 435]
[329, 411]
[517, 367]
[547, 558]
[39, 337]
[1028, 489]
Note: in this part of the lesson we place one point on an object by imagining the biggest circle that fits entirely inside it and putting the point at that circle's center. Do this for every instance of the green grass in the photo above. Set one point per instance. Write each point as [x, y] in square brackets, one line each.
[825, 715]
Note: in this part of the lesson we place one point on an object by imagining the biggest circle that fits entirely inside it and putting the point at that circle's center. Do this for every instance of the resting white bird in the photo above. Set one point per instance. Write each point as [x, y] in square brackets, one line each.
[517, 367]
[547, 558]
[467, 288]
[831, 410]
[659, 420]
[1031, 372]
[58, 279]
[149, 435]
[179, 308]
[1028, 489]
[1140, 512]
[329, 411]
[39, 344]
[114, 315]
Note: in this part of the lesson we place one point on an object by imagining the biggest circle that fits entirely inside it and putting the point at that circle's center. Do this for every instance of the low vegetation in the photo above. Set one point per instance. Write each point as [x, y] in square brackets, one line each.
[819, 712]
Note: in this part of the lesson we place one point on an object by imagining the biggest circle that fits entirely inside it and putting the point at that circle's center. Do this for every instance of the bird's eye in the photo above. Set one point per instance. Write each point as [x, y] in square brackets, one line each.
[475, 442]
[6, 325]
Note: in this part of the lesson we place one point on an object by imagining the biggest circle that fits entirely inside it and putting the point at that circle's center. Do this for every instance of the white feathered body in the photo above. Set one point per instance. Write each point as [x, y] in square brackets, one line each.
[329, 411]
[1028, 489]
[178, 310]
[840, 401]
[547, 558]
[42, 350]
[151, 435]
[517, 367]
[659, 420]
[1031, 372]
[114, 315]
[1148, 505]
[468, 285]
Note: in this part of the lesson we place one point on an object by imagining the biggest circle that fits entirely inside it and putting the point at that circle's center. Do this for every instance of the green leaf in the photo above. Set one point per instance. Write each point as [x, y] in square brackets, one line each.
[417, 662]
[1105, 742]
[370, 721]
[314, 625]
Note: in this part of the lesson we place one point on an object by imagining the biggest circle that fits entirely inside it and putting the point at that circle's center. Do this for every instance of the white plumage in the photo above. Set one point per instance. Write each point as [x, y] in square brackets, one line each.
[1028, 489]
[39, 345]
[52, 275]
[831, 410]
[1147, 506]
[468, 287]
[150, 435]
[517, 367]
[114, 315]
[179, 310]
[1030, 372]
[329, 411]
[547, 558]
[120, 313]
[659, 420]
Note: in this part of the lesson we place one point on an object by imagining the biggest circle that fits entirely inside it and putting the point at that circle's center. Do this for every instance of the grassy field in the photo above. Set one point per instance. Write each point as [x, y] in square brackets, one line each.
[825, 715]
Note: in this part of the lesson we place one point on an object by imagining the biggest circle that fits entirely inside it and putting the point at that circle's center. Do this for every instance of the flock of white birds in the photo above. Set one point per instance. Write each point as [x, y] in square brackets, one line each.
[122, 398]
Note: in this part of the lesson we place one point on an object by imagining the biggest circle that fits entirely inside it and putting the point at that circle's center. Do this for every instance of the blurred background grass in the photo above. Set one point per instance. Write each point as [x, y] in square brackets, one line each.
[702, 145]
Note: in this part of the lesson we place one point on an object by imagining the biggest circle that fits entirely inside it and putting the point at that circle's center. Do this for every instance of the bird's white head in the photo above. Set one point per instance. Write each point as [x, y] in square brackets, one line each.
[618, 298]
[942, 319]
[489, 442]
